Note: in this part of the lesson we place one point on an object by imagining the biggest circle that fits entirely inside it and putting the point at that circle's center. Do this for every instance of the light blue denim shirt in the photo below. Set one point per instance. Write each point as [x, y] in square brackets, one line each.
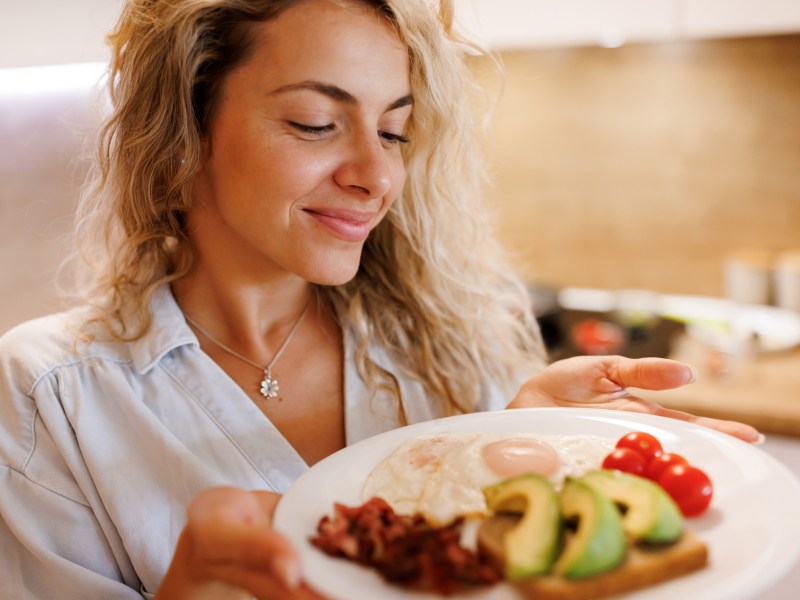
[100, 453]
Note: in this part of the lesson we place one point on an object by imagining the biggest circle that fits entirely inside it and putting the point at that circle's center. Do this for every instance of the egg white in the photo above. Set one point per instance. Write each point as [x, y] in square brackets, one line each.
[442, 476]
[400, 479]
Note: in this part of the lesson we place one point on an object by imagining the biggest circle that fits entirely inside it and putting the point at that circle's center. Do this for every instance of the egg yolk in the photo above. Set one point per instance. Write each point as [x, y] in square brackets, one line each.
[516, 456]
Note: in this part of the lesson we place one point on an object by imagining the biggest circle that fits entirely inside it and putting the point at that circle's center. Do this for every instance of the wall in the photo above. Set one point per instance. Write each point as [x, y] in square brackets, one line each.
[47, 32]
[642, 166]
[45, 140]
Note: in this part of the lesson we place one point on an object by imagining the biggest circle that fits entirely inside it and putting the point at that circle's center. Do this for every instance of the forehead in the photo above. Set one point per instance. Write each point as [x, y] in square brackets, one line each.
[345, 43]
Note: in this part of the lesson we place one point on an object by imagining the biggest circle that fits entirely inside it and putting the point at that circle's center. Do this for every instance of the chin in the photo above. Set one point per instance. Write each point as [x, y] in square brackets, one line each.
[332, 269]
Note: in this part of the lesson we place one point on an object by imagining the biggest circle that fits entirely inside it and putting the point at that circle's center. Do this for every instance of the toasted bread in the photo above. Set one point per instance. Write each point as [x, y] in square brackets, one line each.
[643, 565]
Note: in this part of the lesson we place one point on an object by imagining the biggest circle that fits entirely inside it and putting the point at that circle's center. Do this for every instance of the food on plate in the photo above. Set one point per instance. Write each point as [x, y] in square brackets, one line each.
[621, 532]
[643, 443]
[643, 566]
[532, 547]
[658, 465]
[441, 476]
[687, 485]
[598, 543]
[625, 459]
[405, 550]
[648, 512]
[552, 518]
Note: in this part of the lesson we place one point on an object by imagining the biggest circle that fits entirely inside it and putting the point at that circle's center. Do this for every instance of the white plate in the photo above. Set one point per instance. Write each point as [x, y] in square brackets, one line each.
[752, 528]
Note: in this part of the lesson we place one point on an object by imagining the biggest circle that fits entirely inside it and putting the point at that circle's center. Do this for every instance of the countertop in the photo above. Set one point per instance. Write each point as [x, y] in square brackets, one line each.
[762, 389]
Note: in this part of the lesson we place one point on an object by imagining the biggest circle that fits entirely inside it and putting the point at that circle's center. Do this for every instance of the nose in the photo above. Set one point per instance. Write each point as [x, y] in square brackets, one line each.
[366, 168]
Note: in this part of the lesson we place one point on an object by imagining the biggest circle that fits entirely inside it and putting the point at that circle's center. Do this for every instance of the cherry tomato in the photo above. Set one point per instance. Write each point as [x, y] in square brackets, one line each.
[625, 459]
[643, 443]
[689, 487]
[659, 464]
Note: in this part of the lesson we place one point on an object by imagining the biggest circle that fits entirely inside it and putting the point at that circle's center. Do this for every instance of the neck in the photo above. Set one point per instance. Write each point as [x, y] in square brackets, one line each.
[253, 318]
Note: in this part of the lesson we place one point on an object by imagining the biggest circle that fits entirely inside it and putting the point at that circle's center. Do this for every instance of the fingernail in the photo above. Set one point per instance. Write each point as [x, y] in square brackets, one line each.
[692, 374]
[288, 571]
[760, 439]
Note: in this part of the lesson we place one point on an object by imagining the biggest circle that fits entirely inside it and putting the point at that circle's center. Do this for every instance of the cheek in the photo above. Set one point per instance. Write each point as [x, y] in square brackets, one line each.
[397, 173]
[260, 163]
[293, 174]
[400, 185]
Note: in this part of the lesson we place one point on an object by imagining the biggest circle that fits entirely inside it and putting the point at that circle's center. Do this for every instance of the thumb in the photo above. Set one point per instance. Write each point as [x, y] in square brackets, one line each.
[268, 501]
[649, 373]
[233, 526]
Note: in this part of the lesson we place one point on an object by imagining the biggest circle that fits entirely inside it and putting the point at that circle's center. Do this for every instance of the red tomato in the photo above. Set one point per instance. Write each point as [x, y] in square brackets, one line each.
[625, 459]
[659, 464]
[643, 443]
[689, 487]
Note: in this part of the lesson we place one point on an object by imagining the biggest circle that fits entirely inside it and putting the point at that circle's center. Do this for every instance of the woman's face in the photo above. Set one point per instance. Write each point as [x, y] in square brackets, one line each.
[304, 149]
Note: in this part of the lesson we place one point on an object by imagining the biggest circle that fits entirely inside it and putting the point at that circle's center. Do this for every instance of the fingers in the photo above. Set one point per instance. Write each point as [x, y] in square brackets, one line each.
[739, 430]
[663, 374]
[595, 380]
[231, 533]
[260, 584]
[744, 432]
[649, 373]
[735, 428]
[268, 502]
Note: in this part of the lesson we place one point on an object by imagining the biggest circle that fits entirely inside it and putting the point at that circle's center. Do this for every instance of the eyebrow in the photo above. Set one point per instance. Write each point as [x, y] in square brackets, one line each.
[336, 93]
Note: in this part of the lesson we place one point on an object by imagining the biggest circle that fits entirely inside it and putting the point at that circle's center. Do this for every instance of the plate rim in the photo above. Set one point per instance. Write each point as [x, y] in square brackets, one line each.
[777, 570]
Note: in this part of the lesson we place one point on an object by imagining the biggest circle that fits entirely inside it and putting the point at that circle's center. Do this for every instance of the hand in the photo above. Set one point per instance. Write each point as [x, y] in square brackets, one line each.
[229, 545]
[603, 382]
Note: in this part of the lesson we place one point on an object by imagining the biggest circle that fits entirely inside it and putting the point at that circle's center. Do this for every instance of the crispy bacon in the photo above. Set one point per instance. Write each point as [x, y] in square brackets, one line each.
[405, 550]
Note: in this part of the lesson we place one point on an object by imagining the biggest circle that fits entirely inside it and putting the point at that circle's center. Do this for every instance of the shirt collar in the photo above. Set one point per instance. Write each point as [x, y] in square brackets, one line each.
[167, 331]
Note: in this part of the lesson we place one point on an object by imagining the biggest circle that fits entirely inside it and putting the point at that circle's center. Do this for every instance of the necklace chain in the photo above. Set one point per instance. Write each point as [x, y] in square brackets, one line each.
[269, 385]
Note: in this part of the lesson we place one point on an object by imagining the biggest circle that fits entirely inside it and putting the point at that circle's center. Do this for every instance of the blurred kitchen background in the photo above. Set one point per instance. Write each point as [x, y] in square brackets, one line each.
[635, 144]
[645, 157]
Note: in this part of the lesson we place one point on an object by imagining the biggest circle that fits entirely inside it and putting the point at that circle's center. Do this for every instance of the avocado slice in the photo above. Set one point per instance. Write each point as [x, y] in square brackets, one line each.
[649, 514]
[598, 544]
[531, 547]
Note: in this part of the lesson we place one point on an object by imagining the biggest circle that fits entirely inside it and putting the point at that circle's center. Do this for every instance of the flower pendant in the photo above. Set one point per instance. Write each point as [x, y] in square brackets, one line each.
[269, 386]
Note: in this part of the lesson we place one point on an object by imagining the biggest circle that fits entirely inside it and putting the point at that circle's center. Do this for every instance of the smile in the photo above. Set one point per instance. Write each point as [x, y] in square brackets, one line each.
[347, 225]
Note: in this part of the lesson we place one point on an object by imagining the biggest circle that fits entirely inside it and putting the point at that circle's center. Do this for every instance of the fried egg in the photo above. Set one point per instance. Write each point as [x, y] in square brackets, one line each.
[442, 476]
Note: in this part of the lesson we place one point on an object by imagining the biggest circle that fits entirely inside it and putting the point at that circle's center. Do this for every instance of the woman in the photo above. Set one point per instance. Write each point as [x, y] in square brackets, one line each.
[289, 256]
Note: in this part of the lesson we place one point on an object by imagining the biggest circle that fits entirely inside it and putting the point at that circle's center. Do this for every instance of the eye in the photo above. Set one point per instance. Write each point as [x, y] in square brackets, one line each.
[315, 130]
[393, 138]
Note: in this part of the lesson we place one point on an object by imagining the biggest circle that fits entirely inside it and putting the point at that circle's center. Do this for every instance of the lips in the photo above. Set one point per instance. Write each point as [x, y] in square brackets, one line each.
[345, 224]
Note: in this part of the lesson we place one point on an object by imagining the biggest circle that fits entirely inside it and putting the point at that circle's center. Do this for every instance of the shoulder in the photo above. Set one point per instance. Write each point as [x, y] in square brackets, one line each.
[37, 345]
[35, 348]
[77, 337]
[28, 354]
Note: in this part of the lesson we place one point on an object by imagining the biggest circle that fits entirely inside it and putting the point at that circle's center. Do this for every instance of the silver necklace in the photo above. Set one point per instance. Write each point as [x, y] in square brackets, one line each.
[269, 385]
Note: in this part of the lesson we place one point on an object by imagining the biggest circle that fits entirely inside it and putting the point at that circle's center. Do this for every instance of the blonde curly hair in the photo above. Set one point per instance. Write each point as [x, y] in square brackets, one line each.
[433, 288]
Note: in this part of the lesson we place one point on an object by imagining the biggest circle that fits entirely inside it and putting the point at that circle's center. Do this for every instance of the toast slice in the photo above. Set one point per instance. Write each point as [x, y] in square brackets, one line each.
[643, 566]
